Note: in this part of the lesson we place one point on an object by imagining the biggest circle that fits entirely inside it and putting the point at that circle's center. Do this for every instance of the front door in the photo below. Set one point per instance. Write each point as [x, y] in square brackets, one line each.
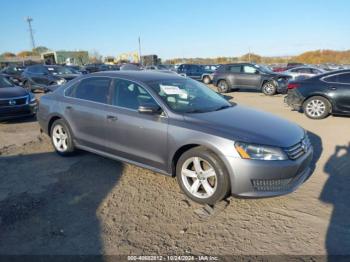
[250, 77]
[139, 137]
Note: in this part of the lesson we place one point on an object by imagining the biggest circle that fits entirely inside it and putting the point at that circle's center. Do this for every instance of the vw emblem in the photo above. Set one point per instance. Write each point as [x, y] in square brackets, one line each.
[12, 102]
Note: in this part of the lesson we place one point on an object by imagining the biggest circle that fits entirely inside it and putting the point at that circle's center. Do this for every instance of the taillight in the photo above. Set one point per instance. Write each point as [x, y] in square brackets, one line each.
[293, 85]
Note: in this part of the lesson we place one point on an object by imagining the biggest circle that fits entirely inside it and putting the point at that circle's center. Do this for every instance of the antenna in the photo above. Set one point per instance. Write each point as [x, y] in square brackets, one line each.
[29, 21]
[140, 55]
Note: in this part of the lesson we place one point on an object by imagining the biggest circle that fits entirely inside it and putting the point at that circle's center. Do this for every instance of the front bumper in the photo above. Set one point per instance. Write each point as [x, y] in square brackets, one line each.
[12, 112]
[257, 178]
[282, 86]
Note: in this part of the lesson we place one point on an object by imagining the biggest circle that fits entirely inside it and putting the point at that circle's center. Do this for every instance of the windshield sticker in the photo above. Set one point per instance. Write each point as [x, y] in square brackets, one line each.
[173, 90]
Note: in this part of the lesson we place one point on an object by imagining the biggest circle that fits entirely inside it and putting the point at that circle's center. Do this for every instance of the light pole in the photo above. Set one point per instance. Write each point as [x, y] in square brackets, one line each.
[140, 55]
[29, 21]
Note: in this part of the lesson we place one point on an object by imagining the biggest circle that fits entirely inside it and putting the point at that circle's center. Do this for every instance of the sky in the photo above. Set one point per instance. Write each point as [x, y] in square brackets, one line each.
[178, 28]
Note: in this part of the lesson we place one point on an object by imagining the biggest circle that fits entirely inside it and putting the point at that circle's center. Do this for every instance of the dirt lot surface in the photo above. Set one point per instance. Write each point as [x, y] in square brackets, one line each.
[87, 204]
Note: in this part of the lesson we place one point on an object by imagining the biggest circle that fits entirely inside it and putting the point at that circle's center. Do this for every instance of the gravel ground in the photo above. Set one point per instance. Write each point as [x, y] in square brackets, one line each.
[87, 204]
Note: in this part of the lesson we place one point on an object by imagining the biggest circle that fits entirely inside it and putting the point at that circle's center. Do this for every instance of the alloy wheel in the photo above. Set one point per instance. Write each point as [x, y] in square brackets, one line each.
[315, 108]
[269, 88]
[60, 138]
[199, 177]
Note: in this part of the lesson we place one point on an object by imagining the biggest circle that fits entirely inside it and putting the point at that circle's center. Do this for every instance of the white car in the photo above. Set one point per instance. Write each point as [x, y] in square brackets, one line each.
[303, 72]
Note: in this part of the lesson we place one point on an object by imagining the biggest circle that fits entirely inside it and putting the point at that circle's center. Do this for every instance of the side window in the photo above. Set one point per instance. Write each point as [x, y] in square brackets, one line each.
[94, 89]
[249, 69]
[130, 95]
[344, 78]
[234, 69]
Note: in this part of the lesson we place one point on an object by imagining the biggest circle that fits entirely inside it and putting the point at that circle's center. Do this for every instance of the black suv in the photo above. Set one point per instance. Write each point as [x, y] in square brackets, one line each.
[197, 72]
[249, 76]
[42, 76]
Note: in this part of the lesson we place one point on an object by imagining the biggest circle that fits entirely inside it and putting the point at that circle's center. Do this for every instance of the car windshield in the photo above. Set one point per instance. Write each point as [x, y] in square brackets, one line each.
[263, 69]
[4, 82]
[60, 70]
[188, 96]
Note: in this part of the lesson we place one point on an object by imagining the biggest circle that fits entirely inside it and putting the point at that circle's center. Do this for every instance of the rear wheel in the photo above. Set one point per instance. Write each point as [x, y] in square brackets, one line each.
[317, 107]
[61, 138]
[223, 87]
[269, 88]
[202, 176]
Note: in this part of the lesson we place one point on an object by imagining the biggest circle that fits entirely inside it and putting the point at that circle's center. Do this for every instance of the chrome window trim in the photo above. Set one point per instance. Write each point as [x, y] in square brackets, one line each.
[114, 106]
[342, 73]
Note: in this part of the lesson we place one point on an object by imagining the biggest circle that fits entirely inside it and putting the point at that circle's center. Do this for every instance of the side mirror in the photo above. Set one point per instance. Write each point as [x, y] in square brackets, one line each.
[257, 72]
[149, 109]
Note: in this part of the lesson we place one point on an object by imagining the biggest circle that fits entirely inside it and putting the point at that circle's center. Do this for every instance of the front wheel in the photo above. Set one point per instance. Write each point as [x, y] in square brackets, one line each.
[202, 176]
[269, 88]
[223, 87]
[61, 138]
[317, 107]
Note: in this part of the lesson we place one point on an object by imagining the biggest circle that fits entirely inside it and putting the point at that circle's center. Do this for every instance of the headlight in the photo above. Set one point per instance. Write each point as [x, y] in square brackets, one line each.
[259, 152]
[60, 81]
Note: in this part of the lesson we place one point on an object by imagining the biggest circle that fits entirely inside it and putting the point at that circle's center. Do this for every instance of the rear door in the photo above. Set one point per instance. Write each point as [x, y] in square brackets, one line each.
[86, 109]
[142, 138]
[339, 89]
[233, 75]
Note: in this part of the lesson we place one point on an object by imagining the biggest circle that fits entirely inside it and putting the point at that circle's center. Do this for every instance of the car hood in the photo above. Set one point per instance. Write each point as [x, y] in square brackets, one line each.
[10, 92]
[243, 124]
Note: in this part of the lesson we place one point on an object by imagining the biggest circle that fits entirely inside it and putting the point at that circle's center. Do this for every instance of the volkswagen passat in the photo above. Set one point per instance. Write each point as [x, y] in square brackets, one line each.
[178, 127]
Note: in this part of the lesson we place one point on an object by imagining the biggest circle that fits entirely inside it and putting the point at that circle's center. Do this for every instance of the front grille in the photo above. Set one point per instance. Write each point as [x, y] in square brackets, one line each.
[17, 101]
[299, 149]
[274, 185]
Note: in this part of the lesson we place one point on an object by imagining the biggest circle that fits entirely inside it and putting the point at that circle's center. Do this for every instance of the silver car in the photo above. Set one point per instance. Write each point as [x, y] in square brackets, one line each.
[302, 72]
[178, 127]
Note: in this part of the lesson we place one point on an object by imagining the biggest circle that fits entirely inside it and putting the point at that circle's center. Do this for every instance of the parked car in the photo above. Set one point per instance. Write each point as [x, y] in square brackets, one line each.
[92, 68]
[14, 72]
[321, 95]
[197, 72]
[303, 72]
[249, 76]
[41, 76]
[15, 101]
[77, 69]
[179, 127]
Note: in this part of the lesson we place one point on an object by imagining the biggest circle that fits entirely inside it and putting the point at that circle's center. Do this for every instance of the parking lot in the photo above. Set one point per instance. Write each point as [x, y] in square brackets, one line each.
[87, 204]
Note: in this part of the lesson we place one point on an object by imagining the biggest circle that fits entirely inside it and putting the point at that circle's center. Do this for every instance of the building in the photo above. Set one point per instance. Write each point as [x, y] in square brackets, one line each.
[66, 57]
[150, 60]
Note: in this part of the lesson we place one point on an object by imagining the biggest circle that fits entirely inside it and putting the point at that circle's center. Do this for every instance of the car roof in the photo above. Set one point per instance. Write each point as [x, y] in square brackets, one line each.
[141, 76]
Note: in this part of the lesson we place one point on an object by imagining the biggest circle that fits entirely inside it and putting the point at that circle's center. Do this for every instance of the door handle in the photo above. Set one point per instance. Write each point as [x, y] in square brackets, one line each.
[333, 88]
[112, 118]
[69, 107]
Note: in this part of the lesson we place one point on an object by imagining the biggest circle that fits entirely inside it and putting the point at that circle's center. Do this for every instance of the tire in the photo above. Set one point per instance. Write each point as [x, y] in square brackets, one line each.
[59, 130]
[269, 88]
[223, 87]
[191, 171]
[317, 107]
[206, 80]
